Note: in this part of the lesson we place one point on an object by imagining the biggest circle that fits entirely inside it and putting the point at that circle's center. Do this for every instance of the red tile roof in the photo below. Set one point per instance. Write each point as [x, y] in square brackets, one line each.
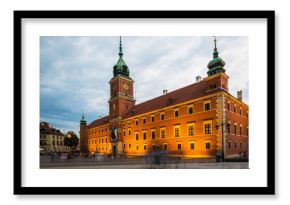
[99, 122]
[189, 92]
[45, 128]
[184, 94]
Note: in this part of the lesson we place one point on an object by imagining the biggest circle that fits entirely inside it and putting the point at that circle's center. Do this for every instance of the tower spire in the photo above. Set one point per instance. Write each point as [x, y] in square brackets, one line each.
[83, 121]
[83, 115]
[216, 65]
[120, 47]
[121, 67]
[215, 52]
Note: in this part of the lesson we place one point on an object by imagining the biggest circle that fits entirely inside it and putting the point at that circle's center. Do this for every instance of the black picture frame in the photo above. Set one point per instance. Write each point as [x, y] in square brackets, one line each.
[18, 94]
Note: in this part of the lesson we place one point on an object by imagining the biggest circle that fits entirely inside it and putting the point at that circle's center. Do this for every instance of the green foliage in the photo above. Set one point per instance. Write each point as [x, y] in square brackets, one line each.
[71, 139]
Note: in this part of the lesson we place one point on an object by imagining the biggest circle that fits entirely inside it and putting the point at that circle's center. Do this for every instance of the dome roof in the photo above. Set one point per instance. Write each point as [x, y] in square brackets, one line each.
[83, 121]
[216, 65]
[121, 67]
[215, 62]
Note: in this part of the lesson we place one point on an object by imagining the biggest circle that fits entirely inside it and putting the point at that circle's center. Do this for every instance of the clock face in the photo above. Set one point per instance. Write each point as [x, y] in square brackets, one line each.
[126, 86]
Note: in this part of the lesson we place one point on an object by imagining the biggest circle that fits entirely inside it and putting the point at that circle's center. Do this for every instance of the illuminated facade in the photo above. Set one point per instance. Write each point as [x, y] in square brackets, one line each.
[197, 121]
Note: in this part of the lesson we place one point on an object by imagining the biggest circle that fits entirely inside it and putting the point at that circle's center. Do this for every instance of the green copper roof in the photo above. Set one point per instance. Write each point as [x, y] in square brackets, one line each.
[121, 67]
[216, 65]
[216, 62]
[121, 63]
[83, 121]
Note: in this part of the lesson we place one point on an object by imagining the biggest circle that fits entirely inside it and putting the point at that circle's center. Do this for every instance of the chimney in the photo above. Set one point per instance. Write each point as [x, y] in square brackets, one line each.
[165, 92]
[240, 95]
[198, 79]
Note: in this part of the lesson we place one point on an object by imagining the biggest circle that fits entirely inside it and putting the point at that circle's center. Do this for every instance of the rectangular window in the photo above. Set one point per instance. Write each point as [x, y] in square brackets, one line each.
[124, 146]
[190, 109]
[124, 133]
[136, 121]
[145, 147]
[129, 132]
[144, 135]
[152, 118]
[178, 146]
[235, 108]
[144, 120]
[241, 130]
[207, 105]
[229, 106]
[229, 145]
[207, 145]
[176, 113]
[207, 127]
[153, 134]
[129, 123]
[129, 146]
[191, 145]
[162, 132]
[164, 146]
[240, 111]
[190, 129]
[137, 136]
[229, 128]
[176, 131]
[162, 116]
[137, 147]
[235, 129]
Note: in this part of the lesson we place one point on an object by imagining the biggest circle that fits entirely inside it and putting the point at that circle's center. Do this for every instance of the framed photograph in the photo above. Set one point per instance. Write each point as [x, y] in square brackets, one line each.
[144, 102]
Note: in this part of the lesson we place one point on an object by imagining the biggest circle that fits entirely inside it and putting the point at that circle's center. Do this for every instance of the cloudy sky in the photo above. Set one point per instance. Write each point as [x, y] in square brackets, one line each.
[75, 71]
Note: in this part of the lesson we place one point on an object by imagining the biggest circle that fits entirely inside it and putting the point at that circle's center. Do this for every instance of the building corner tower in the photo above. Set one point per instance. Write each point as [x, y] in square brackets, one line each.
[121, 100]
[83, 135]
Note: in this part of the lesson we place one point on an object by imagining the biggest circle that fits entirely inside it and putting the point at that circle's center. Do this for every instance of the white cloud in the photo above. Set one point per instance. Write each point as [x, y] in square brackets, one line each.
[75, 71]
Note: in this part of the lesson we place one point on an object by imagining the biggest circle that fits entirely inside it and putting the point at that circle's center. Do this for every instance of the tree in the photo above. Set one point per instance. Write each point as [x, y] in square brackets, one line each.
[71, 140]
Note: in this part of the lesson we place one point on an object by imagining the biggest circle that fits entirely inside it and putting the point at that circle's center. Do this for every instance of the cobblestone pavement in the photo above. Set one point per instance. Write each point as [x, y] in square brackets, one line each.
[46, 162]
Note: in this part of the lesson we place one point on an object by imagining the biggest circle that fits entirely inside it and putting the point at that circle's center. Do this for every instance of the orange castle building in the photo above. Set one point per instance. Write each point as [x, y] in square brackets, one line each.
[201, 120]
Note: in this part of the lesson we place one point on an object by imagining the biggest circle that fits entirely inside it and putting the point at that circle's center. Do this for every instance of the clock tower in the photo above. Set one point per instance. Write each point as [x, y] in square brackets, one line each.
[121, 89]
